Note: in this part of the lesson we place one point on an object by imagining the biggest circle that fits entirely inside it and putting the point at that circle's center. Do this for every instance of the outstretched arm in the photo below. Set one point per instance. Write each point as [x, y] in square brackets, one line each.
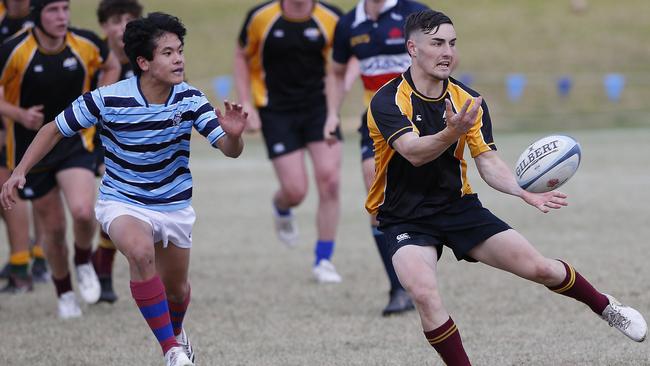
[498, 175]
[45, 140]
[233, 122]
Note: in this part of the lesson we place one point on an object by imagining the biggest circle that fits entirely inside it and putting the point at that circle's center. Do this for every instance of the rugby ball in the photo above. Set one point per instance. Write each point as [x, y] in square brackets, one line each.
[548, 163]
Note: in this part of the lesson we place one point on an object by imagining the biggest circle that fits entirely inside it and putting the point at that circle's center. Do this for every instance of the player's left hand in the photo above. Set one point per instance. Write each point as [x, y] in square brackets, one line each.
[233, 121]
[545, 201]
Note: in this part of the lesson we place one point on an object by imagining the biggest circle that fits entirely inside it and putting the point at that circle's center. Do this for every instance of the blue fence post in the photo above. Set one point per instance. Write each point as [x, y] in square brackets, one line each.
[564, 84]
[222, 85]
[614, 84]
[515, 85]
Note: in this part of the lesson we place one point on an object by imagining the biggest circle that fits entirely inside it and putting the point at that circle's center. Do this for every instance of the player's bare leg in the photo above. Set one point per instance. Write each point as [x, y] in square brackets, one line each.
[511, 252]
[49, 212]
[78, 187]
[19, 279]
[134, 238]
[291, 172]
[416, 268]
[327, 170]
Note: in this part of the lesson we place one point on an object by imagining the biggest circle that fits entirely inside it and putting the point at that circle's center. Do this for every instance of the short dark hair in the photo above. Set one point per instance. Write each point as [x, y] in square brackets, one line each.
[425, 21]
[141, 34]
[108, 8]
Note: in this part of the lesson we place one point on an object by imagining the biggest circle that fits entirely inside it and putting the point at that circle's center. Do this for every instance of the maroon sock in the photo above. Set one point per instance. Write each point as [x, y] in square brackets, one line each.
[150, 297]
[62, 285]
[103, 259]
[81, 256]
[177, 312]
[446, 340]
[577, 287]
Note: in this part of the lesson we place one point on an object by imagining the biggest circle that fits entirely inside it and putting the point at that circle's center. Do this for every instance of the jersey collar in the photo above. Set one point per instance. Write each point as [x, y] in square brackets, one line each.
[360, 15]
[407, 76]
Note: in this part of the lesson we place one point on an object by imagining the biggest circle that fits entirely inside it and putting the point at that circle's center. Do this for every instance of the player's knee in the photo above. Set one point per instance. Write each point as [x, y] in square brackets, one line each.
[295, 195]
[543, 272]
[141, 257]
[83, 214]
[177, 292]
[425, 295]
[329, 187]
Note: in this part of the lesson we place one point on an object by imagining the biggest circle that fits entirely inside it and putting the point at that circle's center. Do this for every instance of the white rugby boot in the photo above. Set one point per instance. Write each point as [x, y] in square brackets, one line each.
[286, 228]
[184, 341]
[68, 306]
[176, 357]
[626, 319]
[89, 287]
[325, 272]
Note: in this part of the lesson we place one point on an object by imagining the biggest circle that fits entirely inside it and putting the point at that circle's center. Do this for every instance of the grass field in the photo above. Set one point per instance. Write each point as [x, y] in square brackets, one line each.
[255, 304]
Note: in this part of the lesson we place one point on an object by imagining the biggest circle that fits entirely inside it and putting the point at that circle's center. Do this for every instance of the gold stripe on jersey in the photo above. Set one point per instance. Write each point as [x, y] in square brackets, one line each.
[473, 138]
[383, 152]
[258, 29]
[326, 20]
[12, 78]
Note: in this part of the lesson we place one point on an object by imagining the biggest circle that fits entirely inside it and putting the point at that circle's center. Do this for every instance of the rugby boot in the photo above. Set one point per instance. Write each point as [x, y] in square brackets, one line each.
[626, 319]
[18, 284]
[107, 293]
[399, 302]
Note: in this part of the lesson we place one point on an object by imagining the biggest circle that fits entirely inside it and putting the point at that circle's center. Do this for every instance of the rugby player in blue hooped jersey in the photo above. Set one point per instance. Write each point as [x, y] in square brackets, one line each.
[145, 193]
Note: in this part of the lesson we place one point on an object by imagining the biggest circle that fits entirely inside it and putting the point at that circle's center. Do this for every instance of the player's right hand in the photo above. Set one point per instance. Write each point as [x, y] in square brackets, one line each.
[253, 122]
[32, 117]
[9, 190]
[462, 121]
[329, 131]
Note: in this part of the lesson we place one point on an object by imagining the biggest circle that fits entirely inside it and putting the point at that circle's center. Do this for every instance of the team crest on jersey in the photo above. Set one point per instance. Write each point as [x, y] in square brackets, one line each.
[177, 119]
[278, 33]
[312, 33]
[396, 17]
[395, 36]
[38, 68]
[70, 63]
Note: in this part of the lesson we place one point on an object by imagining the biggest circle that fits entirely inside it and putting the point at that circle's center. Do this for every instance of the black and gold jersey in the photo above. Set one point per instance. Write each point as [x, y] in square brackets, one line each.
[10, 26]
[287, 57]
[31, 76]
[401, 191]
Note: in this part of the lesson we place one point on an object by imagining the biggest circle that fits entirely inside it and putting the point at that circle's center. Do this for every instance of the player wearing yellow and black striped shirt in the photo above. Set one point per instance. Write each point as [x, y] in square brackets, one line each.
[42, 71]
[421, 123]
[11, 24]
[284, 46]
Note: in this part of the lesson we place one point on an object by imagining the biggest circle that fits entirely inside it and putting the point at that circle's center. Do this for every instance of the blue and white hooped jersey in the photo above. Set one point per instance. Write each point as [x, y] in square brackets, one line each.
[147, 145]
[379, 45]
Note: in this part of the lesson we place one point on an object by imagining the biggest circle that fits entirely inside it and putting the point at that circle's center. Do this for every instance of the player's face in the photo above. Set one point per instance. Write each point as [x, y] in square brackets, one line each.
[435, 53]
[114, 27]
[55, 18]
[168, 64]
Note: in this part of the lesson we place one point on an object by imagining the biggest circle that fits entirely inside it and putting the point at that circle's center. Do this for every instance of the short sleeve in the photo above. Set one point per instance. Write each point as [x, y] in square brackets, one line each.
[246, 39]
[479, 137]
[342, 51]
[84, 112]
[206, 121]
[390, 120]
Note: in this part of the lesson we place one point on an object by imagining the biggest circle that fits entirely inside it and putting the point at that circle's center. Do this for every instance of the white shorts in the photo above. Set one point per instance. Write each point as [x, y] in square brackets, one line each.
[166, 226]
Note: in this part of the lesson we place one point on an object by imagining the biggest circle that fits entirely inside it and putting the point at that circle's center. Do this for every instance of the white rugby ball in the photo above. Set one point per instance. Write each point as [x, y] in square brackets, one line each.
[548, 163]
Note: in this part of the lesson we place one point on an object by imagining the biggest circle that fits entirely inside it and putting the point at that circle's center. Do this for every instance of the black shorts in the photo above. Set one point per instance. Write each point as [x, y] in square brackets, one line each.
[460, 227]
[41, 181]
[288, 131]
[367, 146]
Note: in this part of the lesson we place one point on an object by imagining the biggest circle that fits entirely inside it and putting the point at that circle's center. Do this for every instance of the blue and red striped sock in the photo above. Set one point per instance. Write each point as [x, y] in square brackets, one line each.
[150, 297]
[177, 311]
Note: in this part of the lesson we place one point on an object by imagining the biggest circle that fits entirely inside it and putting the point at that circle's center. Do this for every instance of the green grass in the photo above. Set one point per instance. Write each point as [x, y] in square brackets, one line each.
[542, 39]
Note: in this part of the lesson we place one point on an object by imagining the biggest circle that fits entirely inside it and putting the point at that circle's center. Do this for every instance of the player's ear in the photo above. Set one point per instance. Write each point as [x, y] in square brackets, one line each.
[143, 63]
[411, 48]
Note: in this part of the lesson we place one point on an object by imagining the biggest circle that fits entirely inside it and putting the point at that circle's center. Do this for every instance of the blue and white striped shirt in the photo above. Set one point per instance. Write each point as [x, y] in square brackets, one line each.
[147, 145]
